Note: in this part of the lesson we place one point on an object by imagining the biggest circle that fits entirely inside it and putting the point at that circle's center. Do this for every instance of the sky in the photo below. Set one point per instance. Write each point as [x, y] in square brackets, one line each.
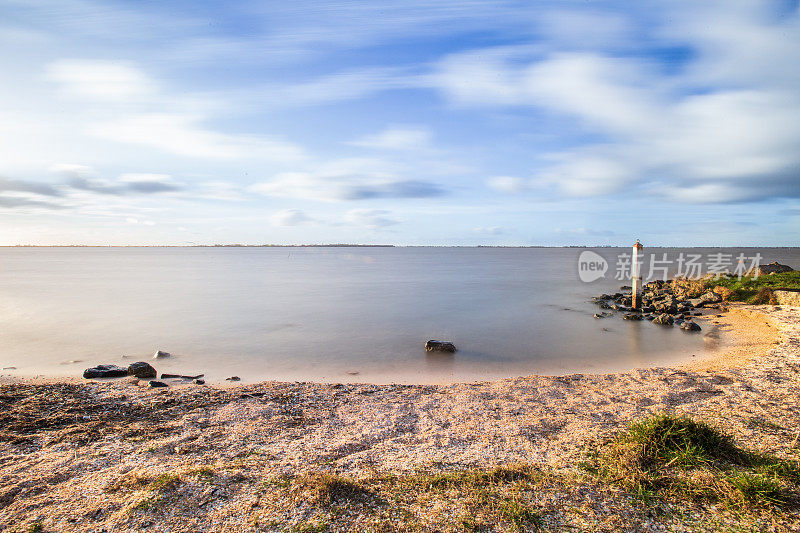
[422, 122]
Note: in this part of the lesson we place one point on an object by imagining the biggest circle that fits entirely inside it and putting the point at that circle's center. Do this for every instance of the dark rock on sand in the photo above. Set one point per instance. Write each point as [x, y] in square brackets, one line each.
[180, 376]
[633, 316]
[440, 346]
[159, 354]
[199, 382]
[233, 378]
[690, 326]
[142, 370]
[157, 384]
[105, 371]
[774, 268]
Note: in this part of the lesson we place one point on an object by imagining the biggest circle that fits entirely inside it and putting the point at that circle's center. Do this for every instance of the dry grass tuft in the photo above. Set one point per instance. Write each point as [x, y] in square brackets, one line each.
[326, 489]
[679, 459]
[764, 296]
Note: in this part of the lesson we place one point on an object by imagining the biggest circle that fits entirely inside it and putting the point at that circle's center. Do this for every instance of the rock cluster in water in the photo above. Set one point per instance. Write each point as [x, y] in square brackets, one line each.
[661, 304]
[140, 370]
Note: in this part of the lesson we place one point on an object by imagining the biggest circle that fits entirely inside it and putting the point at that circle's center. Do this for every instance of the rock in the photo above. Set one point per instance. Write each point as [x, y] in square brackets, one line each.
[233, 378]
[599, 315]
[690, 326]
[696, 302]
[774, 268]
[711, 297]
[633, 316]
[604, 305]
[440, 346]
[626, 288]
[157, 384]
[142, 370]
[105, 371]
[159, 354]
[199, 382]
[180, 376]
[663, 319]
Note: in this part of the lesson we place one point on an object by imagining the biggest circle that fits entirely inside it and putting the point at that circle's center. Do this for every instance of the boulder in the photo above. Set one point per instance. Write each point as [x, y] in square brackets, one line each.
[711, 297]
[696, 302]
[142, 370]
[159, 354]
[439, 346]
[666, 305]
[774, 268]
[663, 319]
[690, 326]
[105, 371]
[157, 384]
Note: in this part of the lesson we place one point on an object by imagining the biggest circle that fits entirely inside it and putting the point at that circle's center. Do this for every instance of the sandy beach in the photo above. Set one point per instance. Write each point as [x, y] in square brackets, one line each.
[84, 456]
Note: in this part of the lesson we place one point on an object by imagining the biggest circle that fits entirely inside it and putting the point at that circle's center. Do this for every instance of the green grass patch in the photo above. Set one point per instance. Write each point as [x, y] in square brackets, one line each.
[755, 289]
[677, 458]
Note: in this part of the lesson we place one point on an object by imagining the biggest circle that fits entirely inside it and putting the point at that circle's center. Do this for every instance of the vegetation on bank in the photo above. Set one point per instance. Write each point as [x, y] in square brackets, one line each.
[674, 471]
[664, 469]
[676, 458]
[750, 289]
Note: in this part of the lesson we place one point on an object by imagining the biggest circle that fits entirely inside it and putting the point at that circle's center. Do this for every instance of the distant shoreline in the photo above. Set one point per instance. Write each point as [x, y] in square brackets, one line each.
[571, 246]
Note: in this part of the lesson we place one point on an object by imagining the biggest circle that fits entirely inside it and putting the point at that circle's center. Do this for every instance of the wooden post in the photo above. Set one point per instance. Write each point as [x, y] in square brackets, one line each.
[636, 285]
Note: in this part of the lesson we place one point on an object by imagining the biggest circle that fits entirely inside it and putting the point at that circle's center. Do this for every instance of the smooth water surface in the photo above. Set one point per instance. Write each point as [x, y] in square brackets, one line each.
[324, 314]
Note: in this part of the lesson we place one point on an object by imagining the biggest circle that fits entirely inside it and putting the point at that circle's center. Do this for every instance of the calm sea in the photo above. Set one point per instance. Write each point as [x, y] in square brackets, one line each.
[327, 314]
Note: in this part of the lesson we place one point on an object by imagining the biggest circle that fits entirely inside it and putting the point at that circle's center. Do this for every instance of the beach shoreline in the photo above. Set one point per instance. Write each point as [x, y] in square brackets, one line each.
[65, 443]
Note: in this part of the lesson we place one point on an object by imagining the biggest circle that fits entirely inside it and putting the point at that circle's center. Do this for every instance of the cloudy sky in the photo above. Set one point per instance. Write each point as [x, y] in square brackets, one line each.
[416, 122]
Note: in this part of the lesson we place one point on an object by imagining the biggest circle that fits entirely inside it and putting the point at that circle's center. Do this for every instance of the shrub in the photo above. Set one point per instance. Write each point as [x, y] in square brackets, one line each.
[763, 297]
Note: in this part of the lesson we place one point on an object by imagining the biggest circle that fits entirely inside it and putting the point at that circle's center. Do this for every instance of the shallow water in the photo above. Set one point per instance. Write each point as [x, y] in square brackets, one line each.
[325, 314]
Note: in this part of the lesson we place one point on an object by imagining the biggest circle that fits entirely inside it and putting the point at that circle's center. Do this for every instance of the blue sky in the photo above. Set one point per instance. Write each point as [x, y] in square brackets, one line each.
[416, 122]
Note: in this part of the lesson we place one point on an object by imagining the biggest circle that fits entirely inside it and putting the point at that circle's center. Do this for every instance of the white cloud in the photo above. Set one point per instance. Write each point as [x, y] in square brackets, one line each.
[106, 80]
[289, 217]
[370, 218]
[489, 230]
[347, 179]
[397, 138]
[183, 135]
[726, 128]
[507, 184]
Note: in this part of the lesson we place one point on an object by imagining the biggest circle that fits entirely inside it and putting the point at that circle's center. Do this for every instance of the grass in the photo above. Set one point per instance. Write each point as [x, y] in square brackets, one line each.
[756, 290]
[496, 499]
[667, 457]
[326, 489]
